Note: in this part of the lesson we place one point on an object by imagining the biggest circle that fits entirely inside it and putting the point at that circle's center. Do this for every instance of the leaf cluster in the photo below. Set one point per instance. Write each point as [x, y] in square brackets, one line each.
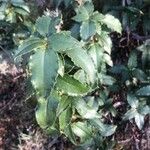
[72, 73]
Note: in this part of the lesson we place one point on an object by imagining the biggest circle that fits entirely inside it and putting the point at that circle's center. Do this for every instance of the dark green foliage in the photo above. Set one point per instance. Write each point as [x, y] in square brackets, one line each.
[72, 71]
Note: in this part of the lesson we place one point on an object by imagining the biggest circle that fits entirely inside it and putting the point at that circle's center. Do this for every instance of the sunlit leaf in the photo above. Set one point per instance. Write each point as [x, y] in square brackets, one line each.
[132, 100]
[71, 86]
[82, 130]
[105, 129]
[139, 119]
[144, 91]
[44, 67]
[43, 25]
[65, 124]
[63, 41]
[87, 30]
[112, 23]
[29, 45]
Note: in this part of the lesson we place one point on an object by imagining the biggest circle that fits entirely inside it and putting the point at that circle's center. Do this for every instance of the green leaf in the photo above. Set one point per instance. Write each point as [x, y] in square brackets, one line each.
[52, 131]
[139, 74]
[97, 17]
[63, 41]
[29, 45]
[61, 62]
[130, 114]
[112, 23]
[105, 42]
[55, 21]
[65, 118]
[65, 124]
[41, 113]
[144, 110]
[81, 76]
[118, 69]
[71, 86]
[52, 104]
[83, 60]
[146, 58]
[82, 130]
[43, 66]
[87, 30]
[96, 53]
[106, 80]
[21, 11]
[144, 91]
[132, 62]
[65, 101]
[145, 49]
[89, 7]
[43, 25]
[18, 3]
[107, 59]
[46, 114]
[85, 111]
[105, 129]
[132, 100]
[139, 119]
[82, 14]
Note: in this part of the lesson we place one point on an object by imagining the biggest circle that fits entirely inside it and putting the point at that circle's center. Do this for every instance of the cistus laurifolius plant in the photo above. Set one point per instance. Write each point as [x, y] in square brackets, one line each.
[69, 74]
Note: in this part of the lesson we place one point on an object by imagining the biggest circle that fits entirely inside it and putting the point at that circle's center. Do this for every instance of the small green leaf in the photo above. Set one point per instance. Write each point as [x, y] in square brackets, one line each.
[105, 129]
[43, 66]
[145, 49]
[132, 62]
[96, 53]
[53, 25]
[89, 7]
[21, 11]
[132, 100]
[130, 114]
[112, 23]
[105, 42]
[83, 60]
[139, 119]
[65, 118]
[29, 45]
[41, 113]
[46, 113]
[63, 41]
[65, 101]
[139, 74]
[106, 80]
[107, 59]
[82, 14]
[52, 131]
[85, 111]
[87, 30]
[61, 69]
[118, 69]
[144, 91]
[81, 76]
[43, 25]
[82, 130]
[52, 104]
[65, 124]
[97, 17]
[71, 86]
[144, 110]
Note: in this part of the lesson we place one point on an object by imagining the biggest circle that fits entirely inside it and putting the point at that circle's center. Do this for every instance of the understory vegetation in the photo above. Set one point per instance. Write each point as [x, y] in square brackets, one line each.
[84, 68]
